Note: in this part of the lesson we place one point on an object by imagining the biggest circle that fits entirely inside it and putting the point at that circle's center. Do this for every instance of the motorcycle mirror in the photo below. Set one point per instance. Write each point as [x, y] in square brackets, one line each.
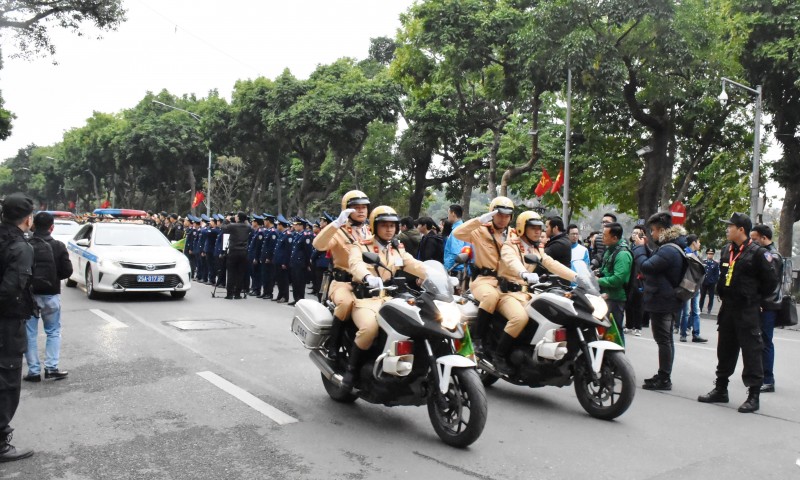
[462, 258]
[532, 259]
[371, 258]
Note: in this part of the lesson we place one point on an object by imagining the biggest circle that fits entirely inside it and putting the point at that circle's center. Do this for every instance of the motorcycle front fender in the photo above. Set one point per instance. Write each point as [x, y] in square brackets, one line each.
[597, 350]
[445, 366]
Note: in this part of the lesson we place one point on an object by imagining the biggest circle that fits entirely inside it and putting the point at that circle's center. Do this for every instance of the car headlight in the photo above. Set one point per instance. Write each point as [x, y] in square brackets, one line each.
[599, 305]
[450, 314]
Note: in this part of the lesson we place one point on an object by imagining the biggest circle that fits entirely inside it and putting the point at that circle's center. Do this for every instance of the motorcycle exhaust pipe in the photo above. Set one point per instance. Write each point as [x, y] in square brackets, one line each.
[322, 363]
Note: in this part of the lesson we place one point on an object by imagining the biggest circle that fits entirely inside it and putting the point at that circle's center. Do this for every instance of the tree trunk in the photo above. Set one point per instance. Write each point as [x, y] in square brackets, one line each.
[421, 166]
[790, 213]
[278, 190]
[657, 173]
[469, 185]
[492, 185]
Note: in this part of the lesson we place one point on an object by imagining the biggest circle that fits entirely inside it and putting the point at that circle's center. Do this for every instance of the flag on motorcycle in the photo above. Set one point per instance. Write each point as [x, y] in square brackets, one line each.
[559, 182]
[180, 244]
[198, 198]
[612, 333]
[465, 347]
[544, 184]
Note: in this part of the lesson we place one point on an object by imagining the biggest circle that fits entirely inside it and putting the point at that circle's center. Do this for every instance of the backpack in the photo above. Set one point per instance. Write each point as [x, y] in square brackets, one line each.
[692, 275]
[44, 266]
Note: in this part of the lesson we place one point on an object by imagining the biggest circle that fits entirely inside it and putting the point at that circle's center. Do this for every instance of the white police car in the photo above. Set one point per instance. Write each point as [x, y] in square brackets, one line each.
[126, 257]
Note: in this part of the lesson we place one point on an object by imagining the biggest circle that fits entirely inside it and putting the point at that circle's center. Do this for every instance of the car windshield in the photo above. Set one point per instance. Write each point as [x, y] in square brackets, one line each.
[65, 228]
[144, 236]
[437, 282]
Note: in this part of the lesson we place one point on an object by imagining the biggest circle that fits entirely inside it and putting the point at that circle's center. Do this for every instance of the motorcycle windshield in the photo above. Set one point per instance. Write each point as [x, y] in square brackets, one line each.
[588, 279]
[437, 281]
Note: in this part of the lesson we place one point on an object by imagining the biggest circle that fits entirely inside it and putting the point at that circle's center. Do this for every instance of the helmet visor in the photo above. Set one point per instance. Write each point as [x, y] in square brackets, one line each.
[504, 210]
[358, 201]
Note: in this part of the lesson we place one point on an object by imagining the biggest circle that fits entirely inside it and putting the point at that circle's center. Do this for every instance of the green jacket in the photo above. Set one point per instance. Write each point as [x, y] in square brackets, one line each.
[613, 282]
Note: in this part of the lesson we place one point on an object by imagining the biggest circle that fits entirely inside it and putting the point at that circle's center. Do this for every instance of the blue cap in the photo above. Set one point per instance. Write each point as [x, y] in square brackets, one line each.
[204, 217]
[256, 217]
[282, 220]
[268, 216]
[195, 219]
[327, 216]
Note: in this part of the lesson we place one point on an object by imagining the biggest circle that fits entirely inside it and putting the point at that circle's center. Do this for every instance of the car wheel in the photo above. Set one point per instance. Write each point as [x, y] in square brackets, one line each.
[90, 292]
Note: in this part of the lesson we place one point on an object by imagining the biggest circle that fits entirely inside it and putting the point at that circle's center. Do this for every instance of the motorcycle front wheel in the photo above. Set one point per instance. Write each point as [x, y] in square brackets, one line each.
[613, 394]
[458, 416]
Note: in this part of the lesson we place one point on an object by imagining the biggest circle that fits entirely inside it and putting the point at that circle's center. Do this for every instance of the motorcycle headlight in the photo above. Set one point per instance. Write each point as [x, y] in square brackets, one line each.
[450, 314]
[599, 305]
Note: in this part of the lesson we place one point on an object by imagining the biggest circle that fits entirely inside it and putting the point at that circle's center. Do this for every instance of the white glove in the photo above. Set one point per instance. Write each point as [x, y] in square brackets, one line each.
[531, 278]
[487, 217]
[339, 222]
[373, 282]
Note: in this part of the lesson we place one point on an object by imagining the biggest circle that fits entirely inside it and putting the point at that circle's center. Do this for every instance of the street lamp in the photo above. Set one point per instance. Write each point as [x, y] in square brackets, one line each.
[198, 118]
[723, 97]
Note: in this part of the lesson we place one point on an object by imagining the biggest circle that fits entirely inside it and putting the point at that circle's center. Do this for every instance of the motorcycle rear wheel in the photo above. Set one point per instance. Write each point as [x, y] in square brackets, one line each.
[338, 393]
[612, 397]
[458, 416]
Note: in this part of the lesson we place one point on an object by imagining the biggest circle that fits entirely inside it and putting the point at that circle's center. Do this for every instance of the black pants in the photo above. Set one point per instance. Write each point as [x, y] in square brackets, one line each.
[707, 290]
[268, 277]
[13, 341]
[237, 272]
[316, 283]
[255, 276]
[298, 277]
[191, 262]
[739, 327]
[634, 310]
[222, 267]
[282, 279]
[211, 267]
[661, 324]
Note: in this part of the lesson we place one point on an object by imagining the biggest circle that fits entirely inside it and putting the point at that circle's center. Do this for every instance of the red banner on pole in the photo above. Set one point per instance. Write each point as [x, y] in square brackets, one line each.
[198, 198]
[544, 184]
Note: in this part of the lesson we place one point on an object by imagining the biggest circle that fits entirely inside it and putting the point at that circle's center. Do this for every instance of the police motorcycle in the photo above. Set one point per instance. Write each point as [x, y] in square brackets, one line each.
[414, 359]
[564, 342]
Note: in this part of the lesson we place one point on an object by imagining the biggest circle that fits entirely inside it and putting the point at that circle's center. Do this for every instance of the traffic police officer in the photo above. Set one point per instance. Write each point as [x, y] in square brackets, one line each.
[267, 252]
[300, 260]
[281, 257]
[254, 255]
[487, 234]
[746, 278]
[200, 243]
[349, 229]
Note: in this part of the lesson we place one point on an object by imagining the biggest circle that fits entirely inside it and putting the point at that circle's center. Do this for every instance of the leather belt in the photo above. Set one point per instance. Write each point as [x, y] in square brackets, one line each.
[342, 276]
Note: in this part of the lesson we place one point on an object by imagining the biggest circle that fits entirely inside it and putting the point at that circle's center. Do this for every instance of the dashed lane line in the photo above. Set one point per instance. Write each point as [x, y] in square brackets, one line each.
[248, 398]
[113, 322]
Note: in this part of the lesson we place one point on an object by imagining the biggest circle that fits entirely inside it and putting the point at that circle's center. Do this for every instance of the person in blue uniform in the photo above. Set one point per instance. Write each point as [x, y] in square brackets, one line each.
[281, 257]
[187, 247]
[267, 252]
[319, 259]
[219, 254]
[300, 259]
[211, 240]
[199, 247]
[254, 255]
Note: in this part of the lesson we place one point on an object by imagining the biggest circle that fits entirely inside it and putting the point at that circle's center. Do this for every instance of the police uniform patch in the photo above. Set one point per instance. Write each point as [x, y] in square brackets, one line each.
[308, 240]
[768, 256]
[274, 237]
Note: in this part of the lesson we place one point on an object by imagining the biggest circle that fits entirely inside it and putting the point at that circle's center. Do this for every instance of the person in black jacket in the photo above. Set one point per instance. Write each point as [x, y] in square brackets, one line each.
[662, 270]
[558, 247]
[237, 256]
[431, 244]
[16, 306]
[747, 278]
[51, 266]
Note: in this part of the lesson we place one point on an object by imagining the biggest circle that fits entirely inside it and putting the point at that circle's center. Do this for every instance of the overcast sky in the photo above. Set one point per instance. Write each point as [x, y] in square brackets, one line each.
[185, 46]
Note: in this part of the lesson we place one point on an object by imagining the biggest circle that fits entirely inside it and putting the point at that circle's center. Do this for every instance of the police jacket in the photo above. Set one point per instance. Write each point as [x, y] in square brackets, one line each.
[774, 300]
[268, 244]
[283, 248]
[712, 273]
[753, 277]
[239, 232]
[211, 240]
[254, 248]
[560, 248]
[301, 250]
[200, 240]
[60, 268]
[188, 246]
[662, 271]
[16, 262]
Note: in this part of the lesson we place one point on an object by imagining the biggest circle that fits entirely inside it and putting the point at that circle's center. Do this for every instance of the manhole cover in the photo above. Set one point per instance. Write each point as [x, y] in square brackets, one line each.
[217, 324]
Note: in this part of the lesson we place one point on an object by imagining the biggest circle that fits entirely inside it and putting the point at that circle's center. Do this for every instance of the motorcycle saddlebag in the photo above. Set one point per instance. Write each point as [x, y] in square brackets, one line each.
[311, 323]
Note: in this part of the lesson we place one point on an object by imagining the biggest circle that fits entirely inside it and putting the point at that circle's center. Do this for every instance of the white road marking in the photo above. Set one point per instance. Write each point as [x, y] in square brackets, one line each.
[248, 398]
[108, 318]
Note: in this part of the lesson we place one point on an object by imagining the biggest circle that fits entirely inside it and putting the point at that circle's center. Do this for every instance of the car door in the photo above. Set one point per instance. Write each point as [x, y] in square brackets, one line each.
[81, 253]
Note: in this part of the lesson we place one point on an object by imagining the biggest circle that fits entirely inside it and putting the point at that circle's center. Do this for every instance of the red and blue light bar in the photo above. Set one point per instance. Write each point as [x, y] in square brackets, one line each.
[120, 212]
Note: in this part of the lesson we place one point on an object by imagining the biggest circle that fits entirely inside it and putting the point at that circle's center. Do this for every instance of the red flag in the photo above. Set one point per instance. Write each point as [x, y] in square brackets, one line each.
[544, 184]
[71, 205]
[198, 198]
[106, 203]
[559, 181]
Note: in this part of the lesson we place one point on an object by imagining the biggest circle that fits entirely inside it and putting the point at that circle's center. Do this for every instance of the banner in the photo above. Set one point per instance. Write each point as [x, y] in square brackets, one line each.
[198, 198]
[544, 184]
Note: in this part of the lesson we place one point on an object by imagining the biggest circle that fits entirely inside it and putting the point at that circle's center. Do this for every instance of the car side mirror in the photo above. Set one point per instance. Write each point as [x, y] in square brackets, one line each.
[83, 242]
[532, 259]
[371, 258]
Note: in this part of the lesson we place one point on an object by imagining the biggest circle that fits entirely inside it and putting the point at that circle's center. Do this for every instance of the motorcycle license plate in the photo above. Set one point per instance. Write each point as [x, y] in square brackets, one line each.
[149, 278]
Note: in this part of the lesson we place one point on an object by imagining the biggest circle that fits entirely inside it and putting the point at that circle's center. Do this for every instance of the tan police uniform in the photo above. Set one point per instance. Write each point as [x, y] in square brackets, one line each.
[365, 313]
[338, 241]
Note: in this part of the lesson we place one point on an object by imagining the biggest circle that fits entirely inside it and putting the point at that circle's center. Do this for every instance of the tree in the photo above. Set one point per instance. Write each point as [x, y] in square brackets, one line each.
[771, 60]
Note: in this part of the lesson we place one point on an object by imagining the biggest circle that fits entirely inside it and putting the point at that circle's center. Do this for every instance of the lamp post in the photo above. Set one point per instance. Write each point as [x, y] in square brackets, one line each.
[567, 148]
[198, 118]
[723, 97]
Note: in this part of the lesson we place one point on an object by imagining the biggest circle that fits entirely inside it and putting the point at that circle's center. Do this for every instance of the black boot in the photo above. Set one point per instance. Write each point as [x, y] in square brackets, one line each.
[500, 359]
[479, 330]
[9, 453]
[335, 340]
[718, 395]
[751, 404]
[351, 374]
